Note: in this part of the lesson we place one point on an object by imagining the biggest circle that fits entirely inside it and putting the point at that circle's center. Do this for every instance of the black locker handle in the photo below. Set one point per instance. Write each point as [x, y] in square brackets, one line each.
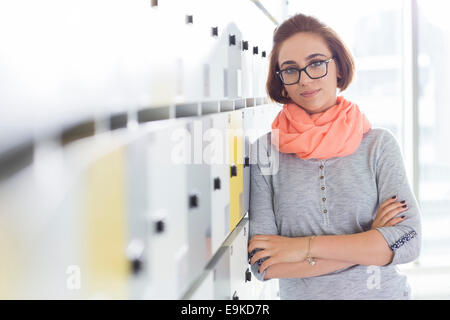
[247, 162]
[160, 226]
[189, 19]
[193, 201]
[216, 183]
[244, 45]
[233, 171]
[248, 275]
[232, 40]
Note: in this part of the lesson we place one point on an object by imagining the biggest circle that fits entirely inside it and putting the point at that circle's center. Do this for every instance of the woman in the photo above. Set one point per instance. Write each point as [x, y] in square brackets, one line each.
[338, 214]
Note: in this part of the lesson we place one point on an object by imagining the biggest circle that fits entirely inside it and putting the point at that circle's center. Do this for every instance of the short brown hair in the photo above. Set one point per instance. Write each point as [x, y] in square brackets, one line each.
[303, 23]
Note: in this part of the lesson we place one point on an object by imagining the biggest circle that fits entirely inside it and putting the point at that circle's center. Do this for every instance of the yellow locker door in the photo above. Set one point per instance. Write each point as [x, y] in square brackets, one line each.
[236, 167]
[107, 268]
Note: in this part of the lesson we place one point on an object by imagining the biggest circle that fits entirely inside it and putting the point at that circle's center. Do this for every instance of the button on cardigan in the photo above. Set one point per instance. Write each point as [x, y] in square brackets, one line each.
[296, 197]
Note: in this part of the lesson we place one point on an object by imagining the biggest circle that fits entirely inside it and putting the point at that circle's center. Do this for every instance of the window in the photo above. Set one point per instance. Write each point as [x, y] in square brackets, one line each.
[434, 114]
[374, 37]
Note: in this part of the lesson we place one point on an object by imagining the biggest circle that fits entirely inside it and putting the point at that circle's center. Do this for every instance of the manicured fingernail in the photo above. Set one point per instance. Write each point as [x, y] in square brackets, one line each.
[404, 206]
[403, 217]
[403, 201]
[394, 197]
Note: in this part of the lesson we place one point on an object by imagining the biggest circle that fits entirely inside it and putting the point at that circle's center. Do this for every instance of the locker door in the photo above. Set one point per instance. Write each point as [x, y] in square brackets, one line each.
[239, 275]
[137, 190]
[234, 68]
[165, 66]
[246, 65]
[166, 218]
[198, 201]
[218, 61]
[217, 152]
[104, 230]
[41, 216]
[236, 167]
[205, 291]
[220, 268]
[249, 138]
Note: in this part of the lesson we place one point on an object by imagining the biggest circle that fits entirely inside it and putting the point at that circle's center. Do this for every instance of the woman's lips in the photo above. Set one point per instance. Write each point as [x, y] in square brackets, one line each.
[309, 94]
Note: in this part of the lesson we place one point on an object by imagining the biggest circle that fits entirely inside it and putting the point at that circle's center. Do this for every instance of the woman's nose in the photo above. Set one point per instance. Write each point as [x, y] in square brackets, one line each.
[304, 79]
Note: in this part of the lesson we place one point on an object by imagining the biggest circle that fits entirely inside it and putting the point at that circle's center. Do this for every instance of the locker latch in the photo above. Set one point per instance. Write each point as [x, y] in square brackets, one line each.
[248, 275]
[193, 201]
[232, 40]
[247, 162]
[217, 184]
[233, 170]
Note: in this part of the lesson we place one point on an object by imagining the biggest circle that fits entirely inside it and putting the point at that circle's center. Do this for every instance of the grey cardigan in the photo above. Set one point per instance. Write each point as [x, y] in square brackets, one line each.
[293, 197]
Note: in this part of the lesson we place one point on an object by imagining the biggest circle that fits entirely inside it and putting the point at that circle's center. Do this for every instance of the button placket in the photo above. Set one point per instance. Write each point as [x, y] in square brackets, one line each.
[323, 200]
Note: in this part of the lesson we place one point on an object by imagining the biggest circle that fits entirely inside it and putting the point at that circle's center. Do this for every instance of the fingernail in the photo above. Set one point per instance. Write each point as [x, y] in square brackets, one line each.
[403, 217]
[394, 197]
[403, 201]
[404, 206]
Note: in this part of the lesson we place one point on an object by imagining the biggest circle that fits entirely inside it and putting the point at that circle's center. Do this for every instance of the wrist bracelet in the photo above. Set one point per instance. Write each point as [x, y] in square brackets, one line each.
[308, 255]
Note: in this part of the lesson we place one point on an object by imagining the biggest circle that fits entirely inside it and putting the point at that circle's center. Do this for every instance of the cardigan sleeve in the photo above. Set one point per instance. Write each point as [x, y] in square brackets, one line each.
[405, 238]
[261, 210]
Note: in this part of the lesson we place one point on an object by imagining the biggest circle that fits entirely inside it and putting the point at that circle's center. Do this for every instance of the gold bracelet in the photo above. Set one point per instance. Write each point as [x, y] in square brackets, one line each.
[308, 255]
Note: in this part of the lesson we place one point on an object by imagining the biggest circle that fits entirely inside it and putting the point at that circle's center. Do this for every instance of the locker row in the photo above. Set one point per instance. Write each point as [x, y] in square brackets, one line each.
[142, 56]
[122, 214]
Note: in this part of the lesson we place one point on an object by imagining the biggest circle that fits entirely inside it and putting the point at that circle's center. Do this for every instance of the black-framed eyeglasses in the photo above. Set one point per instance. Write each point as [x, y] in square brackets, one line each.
[314, 70]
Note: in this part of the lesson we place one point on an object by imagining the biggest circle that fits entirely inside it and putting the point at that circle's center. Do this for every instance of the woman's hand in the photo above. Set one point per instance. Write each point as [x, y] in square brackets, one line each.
[277, 249]
[387, 212]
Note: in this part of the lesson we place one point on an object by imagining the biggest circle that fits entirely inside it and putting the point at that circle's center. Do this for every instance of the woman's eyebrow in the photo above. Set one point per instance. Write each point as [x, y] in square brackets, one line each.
[311, 56]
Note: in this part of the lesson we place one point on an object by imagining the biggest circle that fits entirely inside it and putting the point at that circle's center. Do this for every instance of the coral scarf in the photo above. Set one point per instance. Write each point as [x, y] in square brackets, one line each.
[336, 132]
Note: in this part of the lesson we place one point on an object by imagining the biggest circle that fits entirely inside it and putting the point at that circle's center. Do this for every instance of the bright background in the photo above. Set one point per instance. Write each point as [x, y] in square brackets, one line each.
[375, 33]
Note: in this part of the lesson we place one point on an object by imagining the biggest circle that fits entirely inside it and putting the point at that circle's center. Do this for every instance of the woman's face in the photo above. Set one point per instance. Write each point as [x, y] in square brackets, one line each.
[313, 95]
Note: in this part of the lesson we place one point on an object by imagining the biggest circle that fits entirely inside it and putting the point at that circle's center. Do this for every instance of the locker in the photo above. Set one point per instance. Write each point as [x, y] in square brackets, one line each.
[220, 178]
[194, 46]
[205, 289]
[249, 137]
[106, 273]
[138, 227]
[236, 167]
[257, 71]
[240, 275]
[228, 272]
[202, 288]
[167, 216]
[165, 67]
[246, 67]
[37, 251]
[198, 200]
[233, 72]
[220, 269]
[217, 61]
